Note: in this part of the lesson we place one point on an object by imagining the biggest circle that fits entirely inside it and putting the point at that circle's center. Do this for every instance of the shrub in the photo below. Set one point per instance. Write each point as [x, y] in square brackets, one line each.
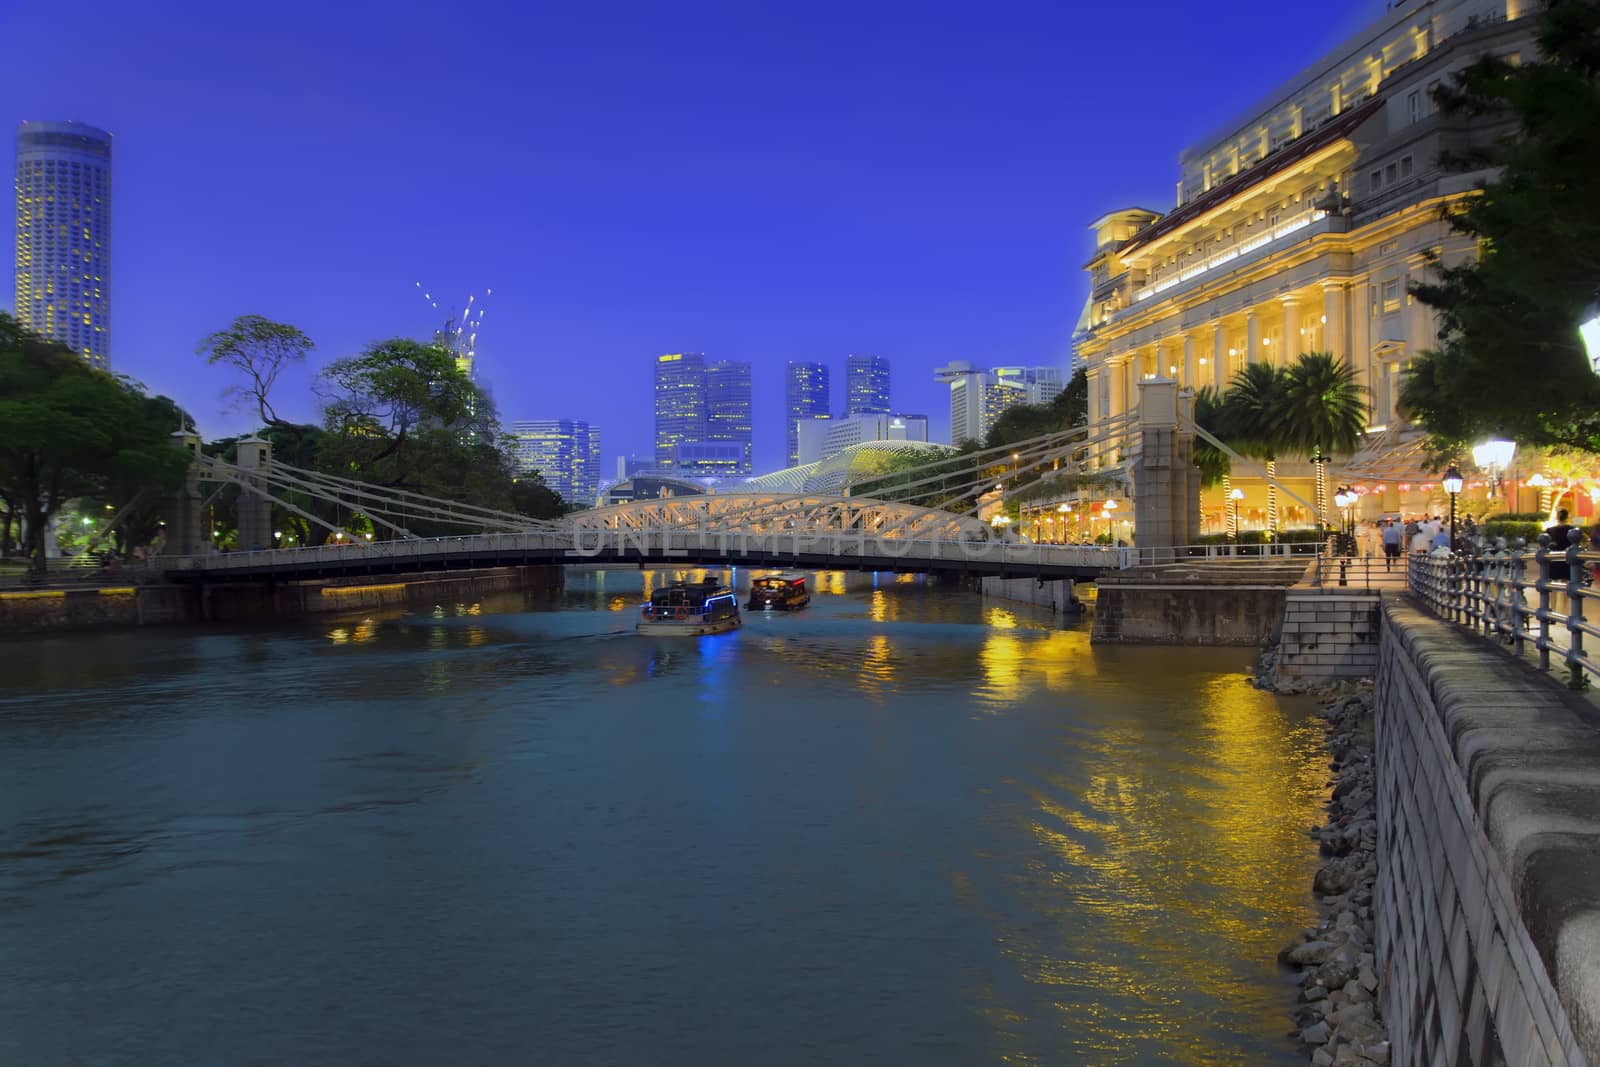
[1512, 529]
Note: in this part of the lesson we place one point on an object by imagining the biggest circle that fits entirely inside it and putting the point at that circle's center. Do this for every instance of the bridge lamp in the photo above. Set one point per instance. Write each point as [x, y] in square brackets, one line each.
[277, 535]
[1452, 485]
[369, 536]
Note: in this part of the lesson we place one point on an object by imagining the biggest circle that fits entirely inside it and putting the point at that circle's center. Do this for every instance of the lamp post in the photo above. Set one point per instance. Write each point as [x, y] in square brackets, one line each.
[1234, 496]
[1452, 485]
[1495, 456]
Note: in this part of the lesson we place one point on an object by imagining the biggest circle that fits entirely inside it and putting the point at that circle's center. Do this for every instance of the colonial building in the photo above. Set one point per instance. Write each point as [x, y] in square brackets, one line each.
[1298, 228]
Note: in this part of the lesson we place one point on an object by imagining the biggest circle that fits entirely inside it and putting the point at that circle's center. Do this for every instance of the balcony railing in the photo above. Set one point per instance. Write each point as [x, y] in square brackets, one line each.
[1489, 590]
[1241, 248]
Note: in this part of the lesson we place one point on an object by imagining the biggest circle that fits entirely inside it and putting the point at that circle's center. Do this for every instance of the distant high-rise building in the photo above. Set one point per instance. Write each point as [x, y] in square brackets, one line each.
[63, 288]
[728, 404]
[866, 385]
[978, 397]
[680, 402]
[821, 438]
[805, 397]
[565, 453]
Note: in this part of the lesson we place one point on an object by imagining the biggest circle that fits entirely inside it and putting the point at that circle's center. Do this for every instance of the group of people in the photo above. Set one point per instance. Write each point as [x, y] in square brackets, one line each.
[1421, 534]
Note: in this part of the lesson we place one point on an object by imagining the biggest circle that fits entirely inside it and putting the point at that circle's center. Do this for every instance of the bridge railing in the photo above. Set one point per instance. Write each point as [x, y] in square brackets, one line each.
[1488, 590]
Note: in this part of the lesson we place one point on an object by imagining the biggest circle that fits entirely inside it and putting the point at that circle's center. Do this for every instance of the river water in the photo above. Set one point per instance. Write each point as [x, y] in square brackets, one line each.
[903, 826]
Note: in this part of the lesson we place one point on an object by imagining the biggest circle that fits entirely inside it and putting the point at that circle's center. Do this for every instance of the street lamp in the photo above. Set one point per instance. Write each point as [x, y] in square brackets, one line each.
[1452, 485]
[1494, 456]
[1233, 512]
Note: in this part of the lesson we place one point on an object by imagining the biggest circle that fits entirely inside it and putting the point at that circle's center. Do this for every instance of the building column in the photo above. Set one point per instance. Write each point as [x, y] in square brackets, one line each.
[1333, 332]
[1119, 385]
[1253, 351]
[1190, 358]
[1219, 356]
[1293, 343]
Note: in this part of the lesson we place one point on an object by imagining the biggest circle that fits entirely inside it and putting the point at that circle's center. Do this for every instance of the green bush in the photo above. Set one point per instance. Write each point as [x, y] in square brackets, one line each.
[1517, 516]
[1511, 530]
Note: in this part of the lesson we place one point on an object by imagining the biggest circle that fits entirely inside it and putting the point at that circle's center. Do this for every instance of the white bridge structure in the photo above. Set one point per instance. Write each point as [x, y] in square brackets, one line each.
[884, 531]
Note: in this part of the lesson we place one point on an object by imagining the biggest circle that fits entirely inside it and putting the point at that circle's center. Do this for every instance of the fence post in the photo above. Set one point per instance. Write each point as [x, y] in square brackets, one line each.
[1575, 607]
[1542, 584]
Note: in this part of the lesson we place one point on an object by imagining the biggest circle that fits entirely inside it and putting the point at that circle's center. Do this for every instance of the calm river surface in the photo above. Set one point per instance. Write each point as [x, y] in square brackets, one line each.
[903, 826]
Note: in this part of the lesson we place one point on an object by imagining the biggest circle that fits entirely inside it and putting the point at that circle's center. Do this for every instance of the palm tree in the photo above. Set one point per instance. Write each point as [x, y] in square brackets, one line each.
[1210, 414]
[1254, 414]
[1324, 413]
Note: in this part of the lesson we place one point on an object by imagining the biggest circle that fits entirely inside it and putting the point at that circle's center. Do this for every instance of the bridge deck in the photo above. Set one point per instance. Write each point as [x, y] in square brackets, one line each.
[831, 551]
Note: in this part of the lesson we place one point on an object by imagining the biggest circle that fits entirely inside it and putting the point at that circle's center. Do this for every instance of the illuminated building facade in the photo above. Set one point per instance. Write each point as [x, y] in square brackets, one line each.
[1299, 226]
[978, 397]
[680, 402]
[728, 409]
[805, 396]
[63, 243]
[565, 453]
[866, 380]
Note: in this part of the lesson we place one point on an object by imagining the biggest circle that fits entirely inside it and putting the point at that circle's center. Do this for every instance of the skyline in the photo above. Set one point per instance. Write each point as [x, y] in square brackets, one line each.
[914, 182]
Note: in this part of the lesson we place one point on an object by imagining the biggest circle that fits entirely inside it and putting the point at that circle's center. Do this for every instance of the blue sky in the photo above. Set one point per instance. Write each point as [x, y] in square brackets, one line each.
[755, 181]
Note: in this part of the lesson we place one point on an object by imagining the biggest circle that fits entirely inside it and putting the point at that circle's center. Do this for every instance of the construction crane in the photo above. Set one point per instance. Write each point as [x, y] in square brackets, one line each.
[460, 337]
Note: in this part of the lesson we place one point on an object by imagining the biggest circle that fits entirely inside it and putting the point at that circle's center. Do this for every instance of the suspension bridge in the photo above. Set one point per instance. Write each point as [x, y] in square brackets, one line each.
[939, 518]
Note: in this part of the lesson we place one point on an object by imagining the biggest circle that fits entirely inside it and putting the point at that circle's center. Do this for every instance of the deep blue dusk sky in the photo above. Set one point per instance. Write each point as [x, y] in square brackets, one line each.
[754, 181]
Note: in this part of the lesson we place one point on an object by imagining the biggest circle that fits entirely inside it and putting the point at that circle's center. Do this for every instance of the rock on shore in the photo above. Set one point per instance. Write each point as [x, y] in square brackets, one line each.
[1338, 1015]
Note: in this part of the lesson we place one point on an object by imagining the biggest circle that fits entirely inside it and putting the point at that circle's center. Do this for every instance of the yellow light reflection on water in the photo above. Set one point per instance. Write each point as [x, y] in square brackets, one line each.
[878, 610]
[1174, 830]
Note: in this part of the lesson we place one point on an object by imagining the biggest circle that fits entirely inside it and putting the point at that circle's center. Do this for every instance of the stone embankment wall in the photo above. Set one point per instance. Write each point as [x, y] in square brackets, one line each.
[1328, 635]
[1488, 895]
[45, 610]
[1208, 603]
[1058, 596]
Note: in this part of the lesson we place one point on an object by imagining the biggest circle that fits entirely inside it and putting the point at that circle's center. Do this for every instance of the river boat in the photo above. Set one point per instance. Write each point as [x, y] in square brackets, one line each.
[690, 609]
[785, 591]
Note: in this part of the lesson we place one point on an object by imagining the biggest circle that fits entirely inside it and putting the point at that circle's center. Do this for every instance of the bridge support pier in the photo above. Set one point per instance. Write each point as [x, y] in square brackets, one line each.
[186, 533]
[1166, 499]
[255, 511]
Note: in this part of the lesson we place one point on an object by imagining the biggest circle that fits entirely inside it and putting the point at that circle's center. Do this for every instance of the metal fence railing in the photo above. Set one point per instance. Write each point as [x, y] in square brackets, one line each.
[1508, 593]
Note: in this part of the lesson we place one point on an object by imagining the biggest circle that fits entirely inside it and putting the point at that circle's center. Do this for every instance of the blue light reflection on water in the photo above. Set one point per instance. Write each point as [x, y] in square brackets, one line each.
[902, 826]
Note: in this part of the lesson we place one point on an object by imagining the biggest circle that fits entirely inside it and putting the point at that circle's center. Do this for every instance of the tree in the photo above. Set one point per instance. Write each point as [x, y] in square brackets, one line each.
[1509, 361]
[1253, 414]
[379, 405]
[260, 350]
[1324, 413]
[73, 431]
[1209, 413]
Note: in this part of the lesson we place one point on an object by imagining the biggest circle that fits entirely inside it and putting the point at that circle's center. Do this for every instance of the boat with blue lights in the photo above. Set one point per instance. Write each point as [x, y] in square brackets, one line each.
[784, 591]
[690, 609]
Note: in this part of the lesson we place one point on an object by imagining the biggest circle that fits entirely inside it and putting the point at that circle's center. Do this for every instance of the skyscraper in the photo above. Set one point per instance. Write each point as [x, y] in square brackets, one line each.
[728, 417]
[680, 402]
[565, 452]
[866, 385]
[63, 254]
[805, 397]
[978, 397]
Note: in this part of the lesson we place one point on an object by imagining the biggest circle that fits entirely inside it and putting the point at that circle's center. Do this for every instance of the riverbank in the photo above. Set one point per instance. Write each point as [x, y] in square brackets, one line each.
[1339, 1011]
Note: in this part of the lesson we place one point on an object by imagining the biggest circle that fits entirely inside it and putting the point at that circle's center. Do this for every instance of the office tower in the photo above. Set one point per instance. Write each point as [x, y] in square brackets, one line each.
[680, 402]
[866, 385]
[63, 254]
[727, 407]
[565, 453]
[805, 397]
[821, 438]
[978, 397]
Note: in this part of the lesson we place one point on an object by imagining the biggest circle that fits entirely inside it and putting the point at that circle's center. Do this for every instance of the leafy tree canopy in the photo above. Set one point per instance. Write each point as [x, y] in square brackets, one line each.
[73, 431]
[1510, 362]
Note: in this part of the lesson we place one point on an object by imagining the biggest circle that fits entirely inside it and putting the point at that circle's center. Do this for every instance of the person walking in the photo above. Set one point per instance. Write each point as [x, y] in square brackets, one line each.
[1560, 540]
[1391, 543]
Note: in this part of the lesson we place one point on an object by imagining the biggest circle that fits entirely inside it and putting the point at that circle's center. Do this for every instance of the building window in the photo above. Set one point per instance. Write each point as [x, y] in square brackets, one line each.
[1390, 172]
[1391, 296]
[1405, 166]
[1377, 180]
[1414, 106]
